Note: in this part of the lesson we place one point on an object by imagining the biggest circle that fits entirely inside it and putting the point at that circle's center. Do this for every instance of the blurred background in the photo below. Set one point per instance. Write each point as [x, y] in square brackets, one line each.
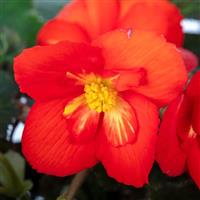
[20, 21]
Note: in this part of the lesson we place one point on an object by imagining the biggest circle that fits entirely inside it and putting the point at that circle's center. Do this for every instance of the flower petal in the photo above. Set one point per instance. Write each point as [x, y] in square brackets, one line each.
[193, 95]
[129, 79]
[131, 163]
[46, 142]
[161, 17]
[184, 118]
[190, 59]
[165, 70]
[82, 123]
[120, 124]
[169, 154]
[57, 30]
[196, 117]
[193, 87]
[41, 71]
[194, 162]
[95, 16]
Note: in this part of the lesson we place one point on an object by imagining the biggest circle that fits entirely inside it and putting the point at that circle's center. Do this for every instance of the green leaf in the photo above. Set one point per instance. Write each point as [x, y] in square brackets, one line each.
[11, 175]
[17, 163]
[189, 8]
[5, 177]
[8, 178]
[22, 17]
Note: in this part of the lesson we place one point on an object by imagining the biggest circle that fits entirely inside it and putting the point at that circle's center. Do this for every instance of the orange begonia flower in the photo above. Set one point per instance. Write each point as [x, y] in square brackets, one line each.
[97, 102]
[85, 20]
[179, 139]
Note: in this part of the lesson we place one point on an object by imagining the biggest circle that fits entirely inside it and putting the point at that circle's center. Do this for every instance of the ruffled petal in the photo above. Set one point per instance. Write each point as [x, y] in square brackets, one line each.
[41, 71]
[161, 61]
[120, 124]
[46, 142]
[169, 154]
[129, 79]
[194, 162]
[131, 163]
[190, 59]
[82, 123]
[161, 17]
[56, 30]
[95, 16]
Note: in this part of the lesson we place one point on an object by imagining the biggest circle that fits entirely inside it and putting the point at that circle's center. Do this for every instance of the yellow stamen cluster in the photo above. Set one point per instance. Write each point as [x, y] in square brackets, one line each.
[100, 95]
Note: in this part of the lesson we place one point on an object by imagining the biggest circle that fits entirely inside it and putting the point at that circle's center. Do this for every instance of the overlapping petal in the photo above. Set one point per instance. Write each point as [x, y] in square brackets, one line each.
[169, 154]
[41, 71]
[120, 124]
[161, 17]
[82, 123]
[131, 163]
[184, 118]
[162, 63]
[57, 30]
[96, 17]
[46, 142]
[128, 78]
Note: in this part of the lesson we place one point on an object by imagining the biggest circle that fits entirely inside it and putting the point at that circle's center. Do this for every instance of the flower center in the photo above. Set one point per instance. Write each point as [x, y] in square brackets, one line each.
[100, 95]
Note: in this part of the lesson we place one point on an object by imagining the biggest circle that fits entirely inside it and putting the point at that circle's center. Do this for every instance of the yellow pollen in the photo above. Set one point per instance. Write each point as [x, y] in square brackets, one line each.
[100, 95]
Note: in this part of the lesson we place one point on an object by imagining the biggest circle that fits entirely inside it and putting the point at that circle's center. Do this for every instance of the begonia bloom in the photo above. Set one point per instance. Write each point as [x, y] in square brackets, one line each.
[98, 102]
[178, 142]
[85, 20]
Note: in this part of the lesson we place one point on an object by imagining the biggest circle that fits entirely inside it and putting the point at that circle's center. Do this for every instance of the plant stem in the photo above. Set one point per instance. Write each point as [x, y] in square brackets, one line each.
[75, 184]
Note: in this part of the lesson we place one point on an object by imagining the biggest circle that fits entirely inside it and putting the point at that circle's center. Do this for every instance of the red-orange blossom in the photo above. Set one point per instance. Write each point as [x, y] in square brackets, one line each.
[98, 102]
[85, 20]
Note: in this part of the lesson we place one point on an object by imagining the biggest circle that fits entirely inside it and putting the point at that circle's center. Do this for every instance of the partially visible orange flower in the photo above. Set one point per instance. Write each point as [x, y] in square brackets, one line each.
[97, 102]
[84, 20]
[178, 146]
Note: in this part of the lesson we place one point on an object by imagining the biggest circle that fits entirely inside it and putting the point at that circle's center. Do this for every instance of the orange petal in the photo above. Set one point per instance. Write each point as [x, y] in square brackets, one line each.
[165, 70]
[126, 5]
[161, 17]
[46, 142]
[131, 163]
[82, 122]
[95, 16]
[169, 154]
[57, 30]
[120, 124]
[129, 79]
[41, 70]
